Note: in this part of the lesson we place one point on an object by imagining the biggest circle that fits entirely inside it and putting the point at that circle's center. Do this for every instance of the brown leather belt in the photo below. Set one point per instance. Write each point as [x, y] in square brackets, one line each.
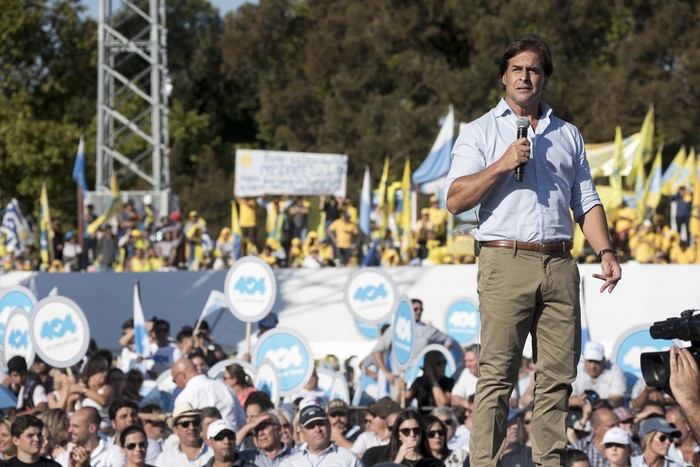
[547, 248]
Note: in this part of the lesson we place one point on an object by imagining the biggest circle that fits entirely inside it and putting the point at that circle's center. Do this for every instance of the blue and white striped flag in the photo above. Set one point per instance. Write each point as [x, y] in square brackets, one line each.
[142, 344]
[365, 204]
[16, 228]
[430, 176]
[79, 167]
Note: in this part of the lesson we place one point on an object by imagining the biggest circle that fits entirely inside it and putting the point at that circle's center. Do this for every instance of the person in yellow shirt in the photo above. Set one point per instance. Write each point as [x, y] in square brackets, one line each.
[343, 233]
[267, 256]
[420, 232]
[624, 222]
[351, 209]
[438, 218]
[247, 217]
[139, 262]
[682, 254]
[645, 243]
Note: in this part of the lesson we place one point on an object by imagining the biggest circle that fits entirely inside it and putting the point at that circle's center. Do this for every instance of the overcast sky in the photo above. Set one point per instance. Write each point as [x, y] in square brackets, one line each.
[222, 5]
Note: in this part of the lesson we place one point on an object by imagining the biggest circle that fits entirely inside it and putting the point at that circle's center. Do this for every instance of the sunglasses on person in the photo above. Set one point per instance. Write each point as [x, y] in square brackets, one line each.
[408, 431]
[437, 433]
[132, 446]
[447, 422]
[368, 421]
[225, 435]
[186, 423]
[315, 424]
[664, 438]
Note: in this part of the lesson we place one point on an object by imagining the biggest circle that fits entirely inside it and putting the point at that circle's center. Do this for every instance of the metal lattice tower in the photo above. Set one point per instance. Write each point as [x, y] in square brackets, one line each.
[132, 96]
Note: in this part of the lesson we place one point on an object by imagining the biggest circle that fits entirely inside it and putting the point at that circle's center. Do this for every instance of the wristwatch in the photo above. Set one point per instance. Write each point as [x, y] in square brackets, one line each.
[607, 250]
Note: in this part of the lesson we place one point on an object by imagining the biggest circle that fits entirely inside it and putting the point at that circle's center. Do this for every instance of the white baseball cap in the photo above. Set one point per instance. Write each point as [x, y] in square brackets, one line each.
[616, 435]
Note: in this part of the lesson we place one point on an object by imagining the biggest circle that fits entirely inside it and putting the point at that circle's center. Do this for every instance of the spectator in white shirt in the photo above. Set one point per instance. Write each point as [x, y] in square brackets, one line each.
[190, 449]
[86, 447]
[200, 391]
[599, 375]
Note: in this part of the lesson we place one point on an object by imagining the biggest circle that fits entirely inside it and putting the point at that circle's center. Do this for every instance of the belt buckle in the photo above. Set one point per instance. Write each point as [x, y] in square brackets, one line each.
[542, 248]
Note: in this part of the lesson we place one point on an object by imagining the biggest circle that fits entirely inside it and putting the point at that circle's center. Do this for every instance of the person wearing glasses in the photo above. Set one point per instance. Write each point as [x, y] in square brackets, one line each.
[190, 449]
[408, 445]
[269, 449]
[341, 433]
[432, 388]
[318, 450]
[222, 440]
[617, 447]
[656, 436]
[436, 432]
[134, 444]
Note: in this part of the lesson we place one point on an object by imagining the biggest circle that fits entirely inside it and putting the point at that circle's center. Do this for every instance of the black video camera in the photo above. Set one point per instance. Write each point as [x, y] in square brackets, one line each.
[655, 365]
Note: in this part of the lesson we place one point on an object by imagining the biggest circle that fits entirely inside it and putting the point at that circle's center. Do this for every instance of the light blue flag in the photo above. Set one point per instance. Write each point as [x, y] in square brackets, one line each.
[436, 165]
[16, 228]
[365, 204]
[79, 167]
[141, 342]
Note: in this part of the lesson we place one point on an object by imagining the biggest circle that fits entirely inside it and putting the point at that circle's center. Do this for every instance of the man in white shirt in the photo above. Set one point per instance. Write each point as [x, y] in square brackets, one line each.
[599, 375]
[319, 450]
[83, 429]
[466, 383]
[190, 450]
[163, 352]
[200, 391]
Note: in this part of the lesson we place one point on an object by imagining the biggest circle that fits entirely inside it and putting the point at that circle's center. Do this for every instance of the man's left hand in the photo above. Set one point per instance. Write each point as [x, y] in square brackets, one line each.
[612, 273]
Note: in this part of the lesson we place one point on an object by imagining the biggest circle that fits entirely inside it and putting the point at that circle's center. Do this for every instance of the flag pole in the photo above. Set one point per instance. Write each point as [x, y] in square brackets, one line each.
[80, 215]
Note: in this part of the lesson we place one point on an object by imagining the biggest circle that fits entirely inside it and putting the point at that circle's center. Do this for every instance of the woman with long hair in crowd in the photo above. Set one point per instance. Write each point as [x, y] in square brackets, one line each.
[436, 433]
[407, 445]
[66, 391]
[236, 377]
[134, 445]
[656, 436]
[55, 432]
[96, 391]
[8, 450]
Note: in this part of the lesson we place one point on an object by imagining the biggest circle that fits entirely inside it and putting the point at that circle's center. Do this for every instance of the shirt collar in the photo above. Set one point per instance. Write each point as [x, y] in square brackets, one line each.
[503, 109]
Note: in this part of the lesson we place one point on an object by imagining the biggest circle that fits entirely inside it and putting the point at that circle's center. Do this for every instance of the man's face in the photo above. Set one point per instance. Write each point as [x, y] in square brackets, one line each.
[417, 311]
[606, 419]
[18, 378]
[514, 429]
[524, 80]
[450, 424]
[471, 361]
[317, 435]
[252, 412]
[179, 378]
[79, 430]
[200, 365]
[267, 435]
[339, 419]
[125, 417]
[187, 429]
[378, 425]
[30, 441]
[154, 429]
[594, 368]
[224, 446]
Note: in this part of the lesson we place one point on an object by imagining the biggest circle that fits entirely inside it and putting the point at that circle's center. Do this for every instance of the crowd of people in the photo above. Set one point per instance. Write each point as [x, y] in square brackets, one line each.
[96, 413]
[277, 229]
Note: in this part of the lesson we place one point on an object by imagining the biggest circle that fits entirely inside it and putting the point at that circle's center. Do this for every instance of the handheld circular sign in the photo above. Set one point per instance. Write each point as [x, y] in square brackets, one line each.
[403, 331]
[371, 295]
[16, 340]
[250, 289]
[59, 331]
[217, 371]
[290, 354]
[417, 365]
[333, 384]
[11, 298]
[267, 380]
[462, 321]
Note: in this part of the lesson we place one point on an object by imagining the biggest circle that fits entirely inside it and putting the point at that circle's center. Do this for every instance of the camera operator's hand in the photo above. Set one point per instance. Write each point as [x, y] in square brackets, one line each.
[684, 382]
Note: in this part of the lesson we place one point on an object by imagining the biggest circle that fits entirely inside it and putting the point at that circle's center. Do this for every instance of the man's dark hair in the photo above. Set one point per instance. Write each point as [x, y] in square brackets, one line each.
[17, 364]
[161, 325]
[129, 431]
[128, 324]
[151, 408]
[196, 353]
[23, 422]
[260, 398]
[210, 412]
[120, 404]
[418, 301]
[531, 43]
[571, 456]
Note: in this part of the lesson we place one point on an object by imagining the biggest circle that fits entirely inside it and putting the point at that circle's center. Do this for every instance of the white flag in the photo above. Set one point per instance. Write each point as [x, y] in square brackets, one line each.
[141, 341]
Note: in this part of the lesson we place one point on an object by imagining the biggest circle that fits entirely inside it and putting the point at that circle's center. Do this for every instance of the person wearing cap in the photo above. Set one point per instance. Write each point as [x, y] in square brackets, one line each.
[528, 281]
[189, 450]
[221, 439]
[617, 447]
[269, 449]
[656, 436]
[383, 414]
[147, 215]
[684, 447]
[201, 391]
[516, 452]
[318, 450]
[71, 252]
[598, 375]
[86, 447]
[341, 434]
[602, 419]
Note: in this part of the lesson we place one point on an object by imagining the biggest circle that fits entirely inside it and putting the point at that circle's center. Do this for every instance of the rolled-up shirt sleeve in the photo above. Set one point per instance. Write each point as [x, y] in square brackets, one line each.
[583, 193]
[467, 155]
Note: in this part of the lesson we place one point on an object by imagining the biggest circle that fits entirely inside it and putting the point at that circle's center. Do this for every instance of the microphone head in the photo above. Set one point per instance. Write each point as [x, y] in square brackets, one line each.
[522, 122]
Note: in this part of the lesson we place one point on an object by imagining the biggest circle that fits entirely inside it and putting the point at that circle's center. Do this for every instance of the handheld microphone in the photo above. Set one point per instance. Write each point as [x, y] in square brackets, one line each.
[522, 124]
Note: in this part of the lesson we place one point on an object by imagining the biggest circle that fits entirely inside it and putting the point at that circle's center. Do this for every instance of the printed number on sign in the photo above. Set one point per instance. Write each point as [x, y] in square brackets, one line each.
[370, 293]
[463, 319]
[285, 358]
[403, 329]
[57, 327]
[19, 339]
[250, 285]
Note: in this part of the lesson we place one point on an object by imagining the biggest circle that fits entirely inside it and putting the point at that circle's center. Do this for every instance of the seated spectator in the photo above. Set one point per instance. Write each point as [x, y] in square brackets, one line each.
[189, 449]
[134, 444]
[432, 388]
[575, 458]
[31, 393]
[466, 383]
[236, 377]
[516, 452]
[436, 432]
[685, 446]
[269, 449]
[27, 436]
[616, 442]
[656, 437]
[342, 433]
[599, 375]
[86, 447]
[457, 435]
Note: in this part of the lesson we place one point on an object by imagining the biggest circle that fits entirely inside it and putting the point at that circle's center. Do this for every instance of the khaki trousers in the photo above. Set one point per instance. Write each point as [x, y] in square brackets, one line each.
[523, 293]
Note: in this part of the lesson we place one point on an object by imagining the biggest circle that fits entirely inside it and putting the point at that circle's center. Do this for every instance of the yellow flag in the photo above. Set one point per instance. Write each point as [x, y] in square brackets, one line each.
[406, 243]
[46, 234]
[381, 198]
[653, 185]
[639, 191]
[109, 211]
[644, 152]
[321, 229]
[235, 224]
[694, 225]
[673, 173]
[616, 176]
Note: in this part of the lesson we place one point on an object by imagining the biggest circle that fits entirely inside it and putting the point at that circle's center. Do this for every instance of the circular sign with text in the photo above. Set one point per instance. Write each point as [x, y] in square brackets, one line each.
[11, 298]
[250, 289]
[462, 321]
[267, 380]
[403, 334]
[217, 371]
[59, 331]
[16, 340]
[631, 344]
[290, 354]
[333, 384]
[416, 368]
[371, 295]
